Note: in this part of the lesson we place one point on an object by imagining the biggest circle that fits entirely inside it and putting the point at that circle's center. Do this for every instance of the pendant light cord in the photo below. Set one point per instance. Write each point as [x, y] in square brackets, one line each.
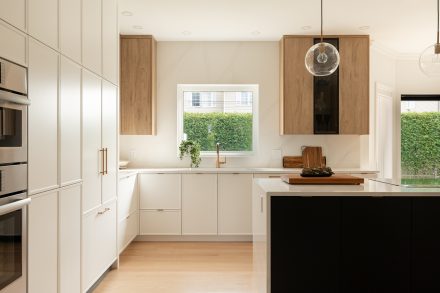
[322, 38]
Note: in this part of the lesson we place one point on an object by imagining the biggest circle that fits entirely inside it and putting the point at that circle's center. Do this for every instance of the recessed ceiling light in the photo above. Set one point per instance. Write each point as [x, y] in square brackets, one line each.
[364, 28]
[127, 13]
[138, 27]
[256, 33]
[306, 27]
[186, 33]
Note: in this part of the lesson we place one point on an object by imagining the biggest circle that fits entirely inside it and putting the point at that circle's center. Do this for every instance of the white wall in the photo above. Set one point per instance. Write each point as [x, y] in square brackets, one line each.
[227, 62]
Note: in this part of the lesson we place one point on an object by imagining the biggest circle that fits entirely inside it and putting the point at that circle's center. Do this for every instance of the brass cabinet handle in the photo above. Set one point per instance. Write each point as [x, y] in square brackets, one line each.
[106, 160]
[104, 211]
[102, 171]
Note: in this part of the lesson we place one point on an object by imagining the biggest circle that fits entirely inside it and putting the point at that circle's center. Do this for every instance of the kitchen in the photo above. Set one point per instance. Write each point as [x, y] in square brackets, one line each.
[127, 171]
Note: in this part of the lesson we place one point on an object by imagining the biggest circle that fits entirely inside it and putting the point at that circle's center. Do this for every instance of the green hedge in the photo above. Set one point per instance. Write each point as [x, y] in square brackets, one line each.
[232, 130]
[420, 143]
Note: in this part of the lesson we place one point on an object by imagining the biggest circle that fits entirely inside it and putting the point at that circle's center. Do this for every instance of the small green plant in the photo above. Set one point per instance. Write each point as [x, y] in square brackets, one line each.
[188, 147]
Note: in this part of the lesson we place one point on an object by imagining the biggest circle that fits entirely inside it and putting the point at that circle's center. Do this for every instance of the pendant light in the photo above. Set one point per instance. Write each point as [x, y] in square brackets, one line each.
[322, 59]
[430, 59]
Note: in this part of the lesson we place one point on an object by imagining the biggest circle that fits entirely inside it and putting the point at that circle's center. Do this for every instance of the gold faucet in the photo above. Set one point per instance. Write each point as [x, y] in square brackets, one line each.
[218, 163]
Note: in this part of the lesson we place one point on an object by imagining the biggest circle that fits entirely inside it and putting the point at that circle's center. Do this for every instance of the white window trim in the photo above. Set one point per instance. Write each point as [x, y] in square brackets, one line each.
[254, 88]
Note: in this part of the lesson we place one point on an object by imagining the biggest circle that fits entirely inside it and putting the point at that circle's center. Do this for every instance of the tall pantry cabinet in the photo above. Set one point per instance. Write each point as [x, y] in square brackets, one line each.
[71, 50]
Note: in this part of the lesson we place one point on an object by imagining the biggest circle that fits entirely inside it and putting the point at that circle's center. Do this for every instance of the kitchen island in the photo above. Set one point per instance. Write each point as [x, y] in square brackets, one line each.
[374, 237]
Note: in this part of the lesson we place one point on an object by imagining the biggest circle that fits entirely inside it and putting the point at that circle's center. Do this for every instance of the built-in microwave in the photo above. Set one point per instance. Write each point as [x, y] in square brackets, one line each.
[13, 113]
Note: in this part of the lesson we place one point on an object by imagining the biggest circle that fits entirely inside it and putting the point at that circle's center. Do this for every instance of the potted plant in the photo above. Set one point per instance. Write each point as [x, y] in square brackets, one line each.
[191, 148]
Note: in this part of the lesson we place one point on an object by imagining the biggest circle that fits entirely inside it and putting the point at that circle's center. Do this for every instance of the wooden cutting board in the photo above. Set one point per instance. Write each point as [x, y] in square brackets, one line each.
[312, 157]
[297, 162]
[337, 179]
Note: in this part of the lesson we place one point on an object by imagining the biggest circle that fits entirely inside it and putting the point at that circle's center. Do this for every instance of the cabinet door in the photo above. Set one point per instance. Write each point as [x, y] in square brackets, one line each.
[296, 87]
[110, 40]
[14, 12]
[128, 199]
[354, 96]
[425, 245]
[43, 244]
[70, 122]
[43, 118]
[109, 140]
[15, 48]
[305, 244]
[160, 191]
[43, 21]
[199, 204]
[70, 28]
[235, 204]
[99, 243]
[376, 245]
[160, 222]
[128, 229]
[70, 240]
[91, 35]
[91, 127]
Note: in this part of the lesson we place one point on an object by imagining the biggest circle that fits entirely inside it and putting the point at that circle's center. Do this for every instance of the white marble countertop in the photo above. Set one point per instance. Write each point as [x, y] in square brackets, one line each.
[128, 172]
[276, 187]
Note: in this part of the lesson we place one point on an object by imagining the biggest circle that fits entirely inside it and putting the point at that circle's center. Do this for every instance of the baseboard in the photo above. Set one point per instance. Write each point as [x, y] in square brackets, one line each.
[190, 238]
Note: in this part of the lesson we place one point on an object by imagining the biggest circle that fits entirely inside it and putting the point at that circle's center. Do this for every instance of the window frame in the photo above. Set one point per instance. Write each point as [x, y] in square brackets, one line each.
[254, 88]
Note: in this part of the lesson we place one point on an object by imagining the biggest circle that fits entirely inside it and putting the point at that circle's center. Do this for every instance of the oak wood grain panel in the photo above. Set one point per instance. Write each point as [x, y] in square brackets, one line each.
[297, 87]
[138, 94]
[354, 96]
[337, 179]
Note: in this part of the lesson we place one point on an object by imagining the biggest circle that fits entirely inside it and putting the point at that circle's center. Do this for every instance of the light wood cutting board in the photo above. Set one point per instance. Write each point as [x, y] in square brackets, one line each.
[312, 157]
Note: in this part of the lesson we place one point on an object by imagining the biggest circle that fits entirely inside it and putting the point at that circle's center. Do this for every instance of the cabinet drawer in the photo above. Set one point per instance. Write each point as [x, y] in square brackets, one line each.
[160, 191]
[128, 199]
[128, 230]
[15, 47]
[99, 243]
[160, 222]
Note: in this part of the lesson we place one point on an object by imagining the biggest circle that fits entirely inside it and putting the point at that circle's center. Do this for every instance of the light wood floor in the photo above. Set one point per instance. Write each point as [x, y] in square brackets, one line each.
[170, 267]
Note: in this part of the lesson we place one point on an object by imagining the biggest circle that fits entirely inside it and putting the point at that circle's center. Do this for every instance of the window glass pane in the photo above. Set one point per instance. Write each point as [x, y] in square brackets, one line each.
[420, 141]
[224, 117]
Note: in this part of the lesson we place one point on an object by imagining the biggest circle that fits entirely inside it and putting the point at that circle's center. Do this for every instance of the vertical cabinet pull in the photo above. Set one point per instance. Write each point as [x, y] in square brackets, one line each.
[106, 160]
[102, 171]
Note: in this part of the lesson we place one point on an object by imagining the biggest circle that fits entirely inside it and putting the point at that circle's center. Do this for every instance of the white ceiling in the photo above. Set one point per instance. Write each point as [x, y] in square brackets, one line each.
[403, 26]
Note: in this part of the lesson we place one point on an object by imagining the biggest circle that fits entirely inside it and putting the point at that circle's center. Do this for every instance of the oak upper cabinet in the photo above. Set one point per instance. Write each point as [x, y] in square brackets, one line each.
[43, 21]
[92, 35]
[70, 28]
[296, 87]
[69, 203]
[92, 161]
[14, 12]
[235, 204]
[70, 122]
[43, 244]
[138, 85]
[354, 74]
[199, 204]
[43, 118]
[110, 41]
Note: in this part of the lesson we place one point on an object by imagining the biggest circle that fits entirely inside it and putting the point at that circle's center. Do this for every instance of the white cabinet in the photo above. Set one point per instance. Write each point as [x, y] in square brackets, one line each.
[199, 204]
[15, 48]
[92, 156]
[70, 240]
[43, 118]
[43, 21]
[14, 12]
[99, 243]
[128, 211]
[70, 122]
[109, 140]
[91, 35]
[43, 244]
[70, 28]
[110, 41]
[235, 204]
[160, 222]
[160, 191]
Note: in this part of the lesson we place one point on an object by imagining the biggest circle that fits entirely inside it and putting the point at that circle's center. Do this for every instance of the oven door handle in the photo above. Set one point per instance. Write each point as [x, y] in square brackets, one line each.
[13, 206]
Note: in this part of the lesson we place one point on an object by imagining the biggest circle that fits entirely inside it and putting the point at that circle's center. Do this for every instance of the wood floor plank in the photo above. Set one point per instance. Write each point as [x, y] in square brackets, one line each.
[182, 267]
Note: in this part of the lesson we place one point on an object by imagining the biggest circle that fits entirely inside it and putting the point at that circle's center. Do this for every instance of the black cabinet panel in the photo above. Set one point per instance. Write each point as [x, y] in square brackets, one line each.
[305, 244]
[376, 245]
[426, 245]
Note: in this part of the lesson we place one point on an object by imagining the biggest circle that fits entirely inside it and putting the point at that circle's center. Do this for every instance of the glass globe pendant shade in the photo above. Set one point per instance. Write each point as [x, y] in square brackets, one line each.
[429, 61]
[322, 59]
